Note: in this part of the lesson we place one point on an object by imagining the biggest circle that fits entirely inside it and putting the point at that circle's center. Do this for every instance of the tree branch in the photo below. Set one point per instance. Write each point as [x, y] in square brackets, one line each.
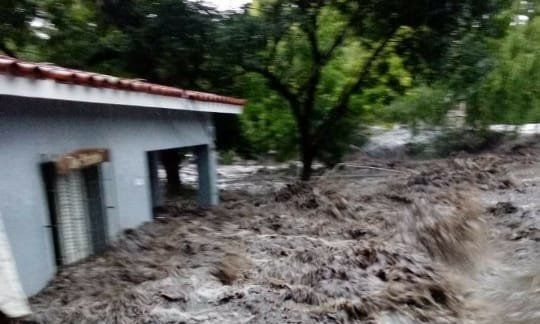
[337, 42]
[273, 50]
[311, 31]
[309, 88]
[276, 84]
[321, 59]
[339, 110]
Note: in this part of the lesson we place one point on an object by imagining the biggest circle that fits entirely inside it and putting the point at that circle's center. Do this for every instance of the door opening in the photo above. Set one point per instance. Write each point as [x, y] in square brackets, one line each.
[77, 212]
[181, 178]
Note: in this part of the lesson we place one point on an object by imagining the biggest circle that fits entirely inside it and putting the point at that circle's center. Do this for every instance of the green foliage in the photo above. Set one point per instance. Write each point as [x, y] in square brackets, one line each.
[226, 157]
[511, 92]
[494, 72]
[421, 105]
[15, 18]
[337, 64]
[267, 121]
[75, 35]
[166, 41]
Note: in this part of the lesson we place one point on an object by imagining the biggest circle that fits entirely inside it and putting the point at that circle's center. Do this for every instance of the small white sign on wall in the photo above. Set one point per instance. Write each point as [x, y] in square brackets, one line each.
[138, 182]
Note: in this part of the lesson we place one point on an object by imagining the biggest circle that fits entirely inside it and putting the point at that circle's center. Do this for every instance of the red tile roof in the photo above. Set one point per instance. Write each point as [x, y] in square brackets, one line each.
[60, 74]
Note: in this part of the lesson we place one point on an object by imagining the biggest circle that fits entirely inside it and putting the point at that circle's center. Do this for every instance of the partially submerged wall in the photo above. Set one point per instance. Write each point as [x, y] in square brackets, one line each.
[32, 130]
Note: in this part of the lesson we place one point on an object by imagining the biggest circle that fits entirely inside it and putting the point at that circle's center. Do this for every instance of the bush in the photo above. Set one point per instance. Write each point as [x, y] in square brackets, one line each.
[227, 157]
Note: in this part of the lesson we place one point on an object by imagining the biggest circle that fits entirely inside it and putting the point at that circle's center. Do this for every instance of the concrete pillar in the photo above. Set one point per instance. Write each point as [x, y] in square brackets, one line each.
[206, 167]
[155, 185]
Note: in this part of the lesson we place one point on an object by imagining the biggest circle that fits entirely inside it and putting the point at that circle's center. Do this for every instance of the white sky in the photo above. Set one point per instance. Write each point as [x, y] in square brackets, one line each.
[227, 4]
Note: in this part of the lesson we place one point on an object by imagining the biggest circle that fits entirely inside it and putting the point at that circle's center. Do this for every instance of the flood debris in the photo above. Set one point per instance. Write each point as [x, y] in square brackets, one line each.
[387, 250]
[231, 267]
[448, 227]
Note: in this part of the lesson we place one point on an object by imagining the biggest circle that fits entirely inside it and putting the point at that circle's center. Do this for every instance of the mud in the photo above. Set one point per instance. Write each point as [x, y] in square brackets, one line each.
[435, 242]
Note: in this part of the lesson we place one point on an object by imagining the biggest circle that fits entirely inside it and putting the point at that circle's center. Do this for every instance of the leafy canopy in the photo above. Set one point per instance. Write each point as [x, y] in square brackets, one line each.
[328, 65]
[493, 74]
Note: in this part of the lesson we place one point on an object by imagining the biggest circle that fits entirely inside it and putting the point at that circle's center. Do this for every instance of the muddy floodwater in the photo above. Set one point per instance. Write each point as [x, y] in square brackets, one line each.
[384, 241]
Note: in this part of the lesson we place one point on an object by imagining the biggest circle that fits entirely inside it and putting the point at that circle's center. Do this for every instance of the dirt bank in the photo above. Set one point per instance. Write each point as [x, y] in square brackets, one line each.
[371, 242]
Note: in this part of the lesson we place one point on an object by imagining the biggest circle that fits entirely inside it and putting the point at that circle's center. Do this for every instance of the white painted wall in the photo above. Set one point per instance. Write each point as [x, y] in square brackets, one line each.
[32, 128]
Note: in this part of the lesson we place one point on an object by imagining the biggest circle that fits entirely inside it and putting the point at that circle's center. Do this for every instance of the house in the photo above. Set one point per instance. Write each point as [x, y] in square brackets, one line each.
[78, 156]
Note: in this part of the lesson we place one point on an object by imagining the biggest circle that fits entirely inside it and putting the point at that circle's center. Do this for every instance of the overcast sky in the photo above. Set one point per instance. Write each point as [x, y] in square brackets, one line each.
[227, 4]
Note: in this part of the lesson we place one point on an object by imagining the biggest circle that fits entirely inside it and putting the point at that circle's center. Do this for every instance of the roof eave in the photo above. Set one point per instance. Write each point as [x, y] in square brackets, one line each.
[22, 86]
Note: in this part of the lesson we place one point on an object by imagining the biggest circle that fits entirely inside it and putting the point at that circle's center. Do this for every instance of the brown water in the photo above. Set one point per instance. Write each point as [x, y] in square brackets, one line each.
[425, 242]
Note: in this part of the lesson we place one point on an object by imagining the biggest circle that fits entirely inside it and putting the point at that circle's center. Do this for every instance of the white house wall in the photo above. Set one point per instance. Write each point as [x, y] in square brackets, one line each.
[32, 129]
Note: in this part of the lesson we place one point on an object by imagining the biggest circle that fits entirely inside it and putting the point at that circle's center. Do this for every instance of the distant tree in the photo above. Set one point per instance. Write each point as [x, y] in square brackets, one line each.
[15, 19]
[295, 44]
[163, 41]
[492, 72]
[170, 159]
[510, 93]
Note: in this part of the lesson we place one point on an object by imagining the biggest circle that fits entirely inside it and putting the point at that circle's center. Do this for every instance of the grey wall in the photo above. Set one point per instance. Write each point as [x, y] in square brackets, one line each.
[31, 129]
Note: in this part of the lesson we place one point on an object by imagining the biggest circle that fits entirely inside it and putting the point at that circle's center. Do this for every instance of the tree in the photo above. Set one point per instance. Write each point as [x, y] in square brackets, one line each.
[492, 73]
[15, 19]
[510, 92]
[293, 44]
[171, 160]
[164, 41]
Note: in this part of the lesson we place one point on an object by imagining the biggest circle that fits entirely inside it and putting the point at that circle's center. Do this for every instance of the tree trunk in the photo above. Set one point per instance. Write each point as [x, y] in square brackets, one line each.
[171, 162]
[307, 164]
[307, 150]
